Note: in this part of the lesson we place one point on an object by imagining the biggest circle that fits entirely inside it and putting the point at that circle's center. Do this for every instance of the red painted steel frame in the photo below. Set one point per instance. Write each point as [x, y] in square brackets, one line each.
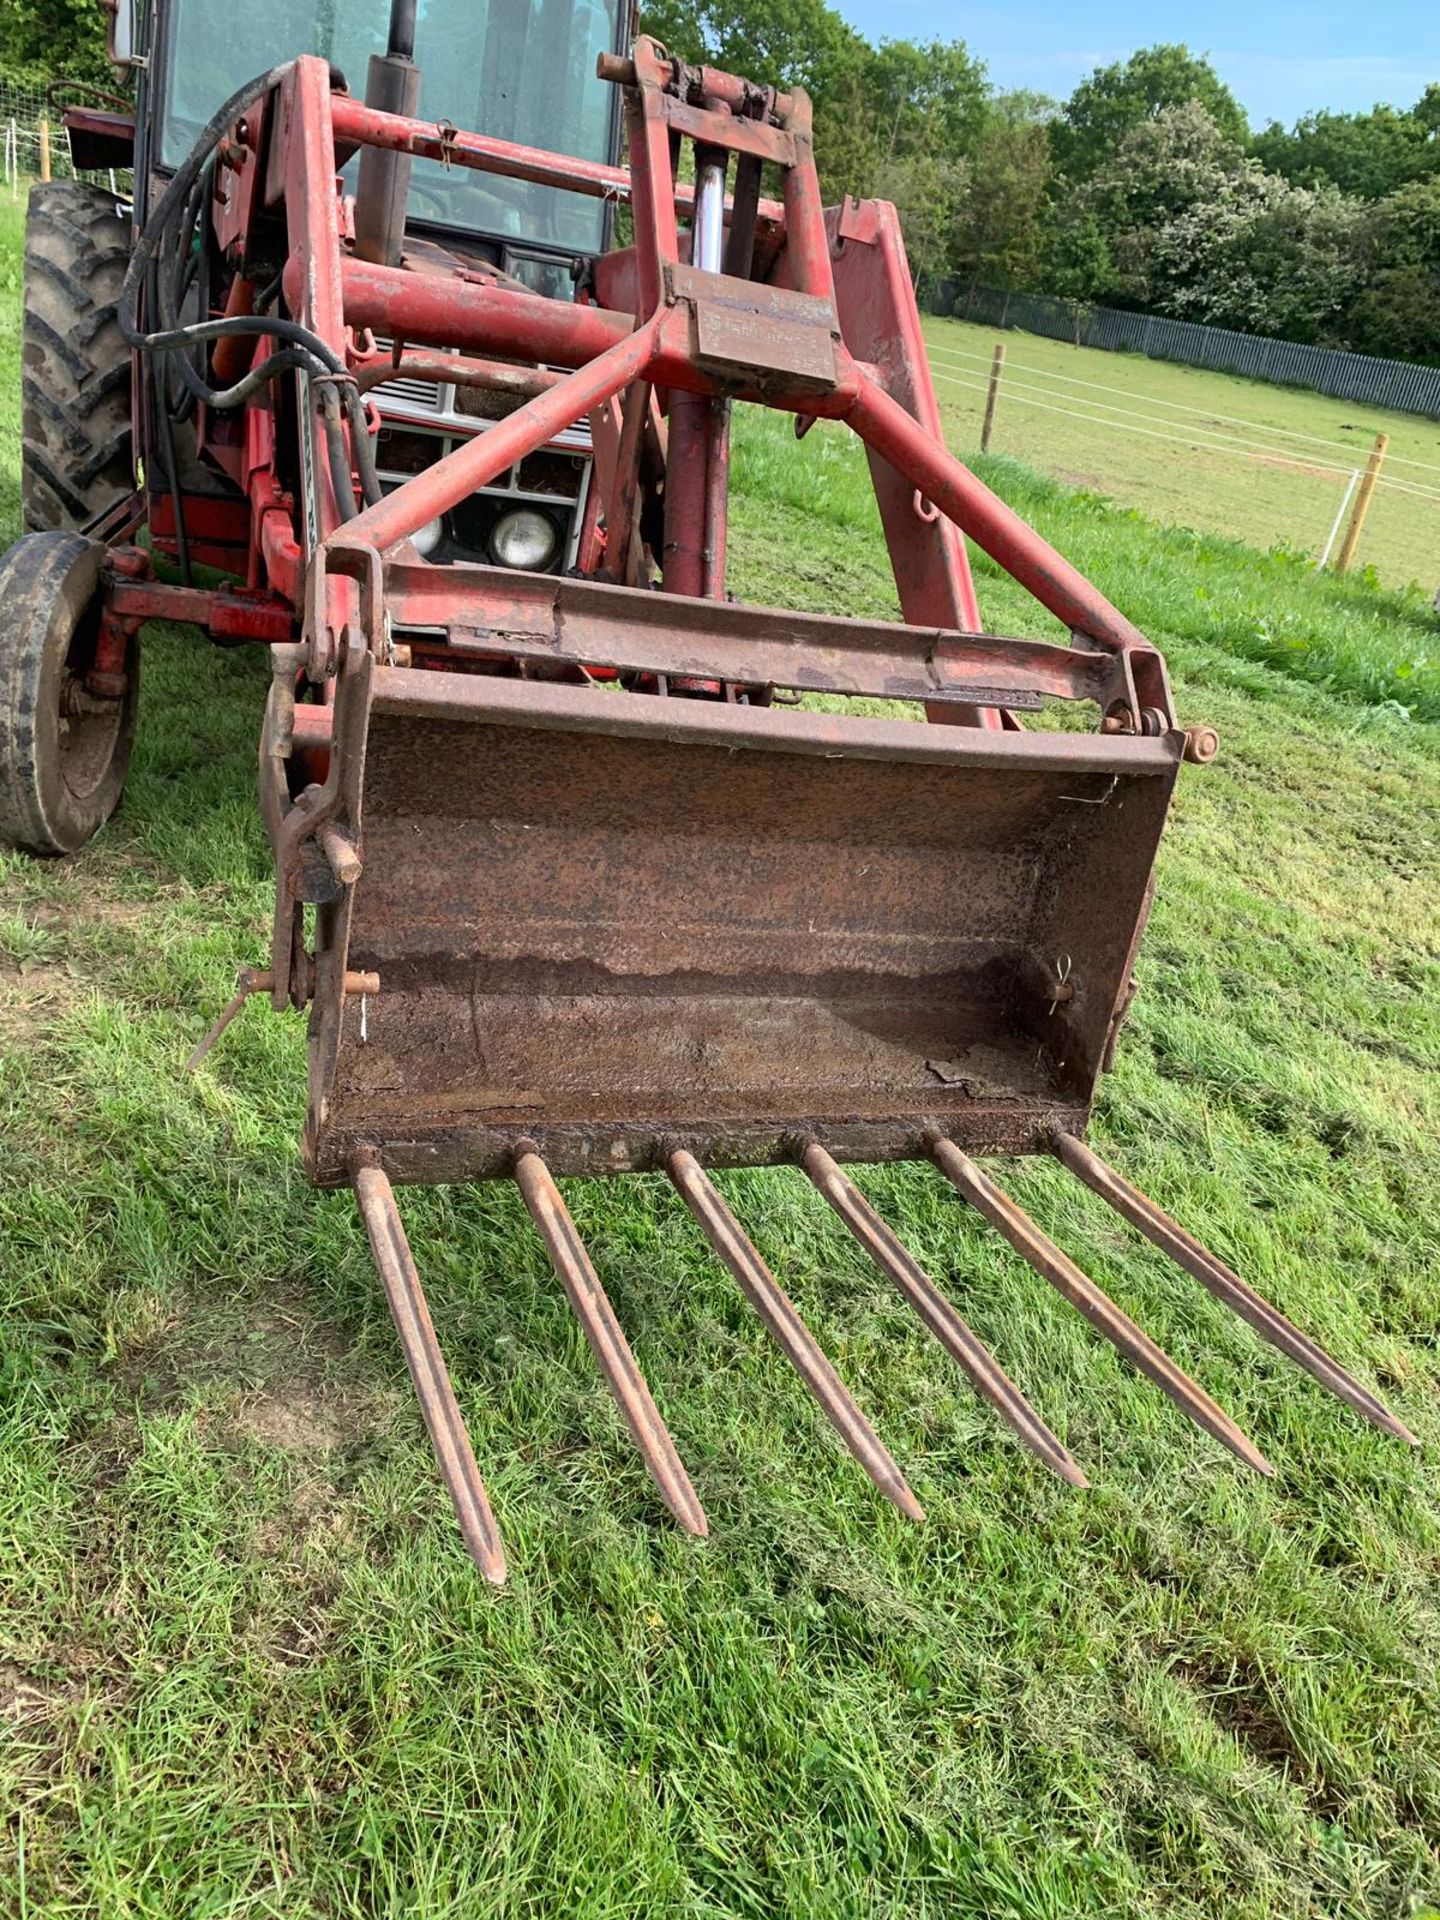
[817, 319]
[849, 263]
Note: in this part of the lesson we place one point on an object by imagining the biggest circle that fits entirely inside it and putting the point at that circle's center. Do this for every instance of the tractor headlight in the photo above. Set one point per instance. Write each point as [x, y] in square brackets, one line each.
[524, 538]
[428, 538]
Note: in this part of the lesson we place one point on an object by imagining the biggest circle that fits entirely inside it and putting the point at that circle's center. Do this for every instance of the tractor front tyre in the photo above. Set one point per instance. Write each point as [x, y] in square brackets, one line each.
[76, 453]
[64, 742]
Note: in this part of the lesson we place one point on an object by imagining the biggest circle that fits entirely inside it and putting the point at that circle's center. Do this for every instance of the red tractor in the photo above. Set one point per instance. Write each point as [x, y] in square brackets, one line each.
[564, 889]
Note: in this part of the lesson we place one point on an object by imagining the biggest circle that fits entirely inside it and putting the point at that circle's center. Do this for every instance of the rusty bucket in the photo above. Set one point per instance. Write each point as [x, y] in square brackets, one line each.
[614, 925]
[590, 932]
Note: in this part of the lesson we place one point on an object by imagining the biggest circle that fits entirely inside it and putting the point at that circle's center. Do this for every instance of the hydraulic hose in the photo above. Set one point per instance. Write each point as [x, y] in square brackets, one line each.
[168, 230]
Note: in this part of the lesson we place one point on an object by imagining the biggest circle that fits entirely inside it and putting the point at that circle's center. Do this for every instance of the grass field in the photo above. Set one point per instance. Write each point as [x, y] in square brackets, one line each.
[1165, 439]
[245, 1666]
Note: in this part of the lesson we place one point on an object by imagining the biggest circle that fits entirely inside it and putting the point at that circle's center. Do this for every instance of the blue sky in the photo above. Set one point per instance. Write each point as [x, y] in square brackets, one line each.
[1280, 60]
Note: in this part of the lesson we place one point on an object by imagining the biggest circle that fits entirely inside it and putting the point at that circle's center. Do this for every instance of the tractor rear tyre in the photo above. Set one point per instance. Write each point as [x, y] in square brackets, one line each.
[64, 750]
[76, 463]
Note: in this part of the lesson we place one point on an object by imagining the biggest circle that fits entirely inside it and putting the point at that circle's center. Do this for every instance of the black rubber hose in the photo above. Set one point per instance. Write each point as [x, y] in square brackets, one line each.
[370, 488]
[172, 479]
[402, 30]
[341, 484]
[171, 204]
[305, 350]
[150, 247]
[191, 269]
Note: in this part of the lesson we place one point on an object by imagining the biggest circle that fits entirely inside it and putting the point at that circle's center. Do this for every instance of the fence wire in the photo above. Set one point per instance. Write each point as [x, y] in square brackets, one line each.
[24, 111]
[1189, 465]
[1396, 384]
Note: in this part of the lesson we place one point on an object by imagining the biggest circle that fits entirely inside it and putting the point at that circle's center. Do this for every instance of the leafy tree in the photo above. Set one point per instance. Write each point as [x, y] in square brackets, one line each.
[925, 99]
[1369, 154]
[927, 191]
[44, 40]
[1398, 313]
[1075, 254]
[1160, 172]
[1265, 257]
[1191, 226]
[1000, 230]
[1115, 100]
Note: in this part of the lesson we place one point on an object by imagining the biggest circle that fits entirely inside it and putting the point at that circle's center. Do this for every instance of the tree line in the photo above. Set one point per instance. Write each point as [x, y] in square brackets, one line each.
[1146, 189]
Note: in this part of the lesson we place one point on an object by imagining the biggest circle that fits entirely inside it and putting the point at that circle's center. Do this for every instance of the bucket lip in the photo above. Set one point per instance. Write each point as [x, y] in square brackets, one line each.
[467, 1147]
[546, 706]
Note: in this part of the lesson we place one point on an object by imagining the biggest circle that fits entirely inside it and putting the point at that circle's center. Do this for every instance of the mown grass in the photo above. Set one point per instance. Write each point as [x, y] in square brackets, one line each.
[245, 1667]
[1166, 440]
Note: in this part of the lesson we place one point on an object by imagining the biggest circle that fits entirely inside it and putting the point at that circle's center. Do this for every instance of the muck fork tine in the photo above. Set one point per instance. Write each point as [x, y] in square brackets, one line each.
[607, 1341]
[1099, 1309]
[900, 1266]
[787, 1329]
[427, 1369]
[1167, 1234]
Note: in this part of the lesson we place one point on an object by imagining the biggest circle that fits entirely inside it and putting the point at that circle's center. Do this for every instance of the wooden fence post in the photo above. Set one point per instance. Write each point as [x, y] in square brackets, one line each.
[44, 149]
[1361, 507]
[997, 367]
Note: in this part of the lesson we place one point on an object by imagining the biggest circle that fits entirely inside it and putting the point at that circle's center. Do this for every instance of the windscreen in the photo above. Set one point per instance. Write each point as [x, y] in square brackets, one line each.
[521, 70]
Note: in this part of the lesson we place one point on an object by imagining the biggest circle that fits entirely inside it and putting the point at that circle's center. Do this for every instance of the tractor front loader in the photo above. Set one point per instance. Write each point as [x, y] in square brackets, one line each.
[566, 889]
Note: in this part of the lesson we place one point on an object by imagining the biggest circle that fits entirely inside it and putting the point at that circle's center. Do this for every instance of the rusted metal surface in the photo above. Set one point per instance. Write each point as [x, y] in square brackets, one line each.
[1099, 1309]
[1226, 1285]
[787, 1329]
[228, 613]
[900, 1266]
[607, 1341]
[494, 376]
[548, 618]
[880, 324]
[434, 310]
[638, 918]
[505, 159]
[1143, 767]
[438, 1406]
[682, 556]
[750, 334]
[252, 980]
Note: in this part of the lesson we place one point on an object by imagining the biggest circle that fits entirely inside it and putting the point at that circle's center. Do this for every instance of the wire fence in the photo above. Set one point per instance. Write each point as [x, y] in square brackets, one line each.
[1300, 486]
[35, 142]
[1396, 384]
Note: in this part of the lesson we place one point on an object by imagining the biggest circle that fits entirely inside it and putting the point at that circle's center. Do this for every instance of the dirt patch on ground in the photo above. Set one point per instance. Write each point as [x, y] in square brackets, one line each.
[38, 1710]
[268, 1372]
[298, 1420]
[22, 1698]
[58, 959]
[1237, 1695]
[1086, 482]
[33, 997]
[274, 1349]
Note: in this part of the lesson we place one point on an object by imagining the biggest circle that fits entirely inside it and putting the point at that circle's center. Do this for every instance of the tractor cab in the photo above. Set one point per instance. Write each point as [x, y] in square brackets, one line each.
[520, 69]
